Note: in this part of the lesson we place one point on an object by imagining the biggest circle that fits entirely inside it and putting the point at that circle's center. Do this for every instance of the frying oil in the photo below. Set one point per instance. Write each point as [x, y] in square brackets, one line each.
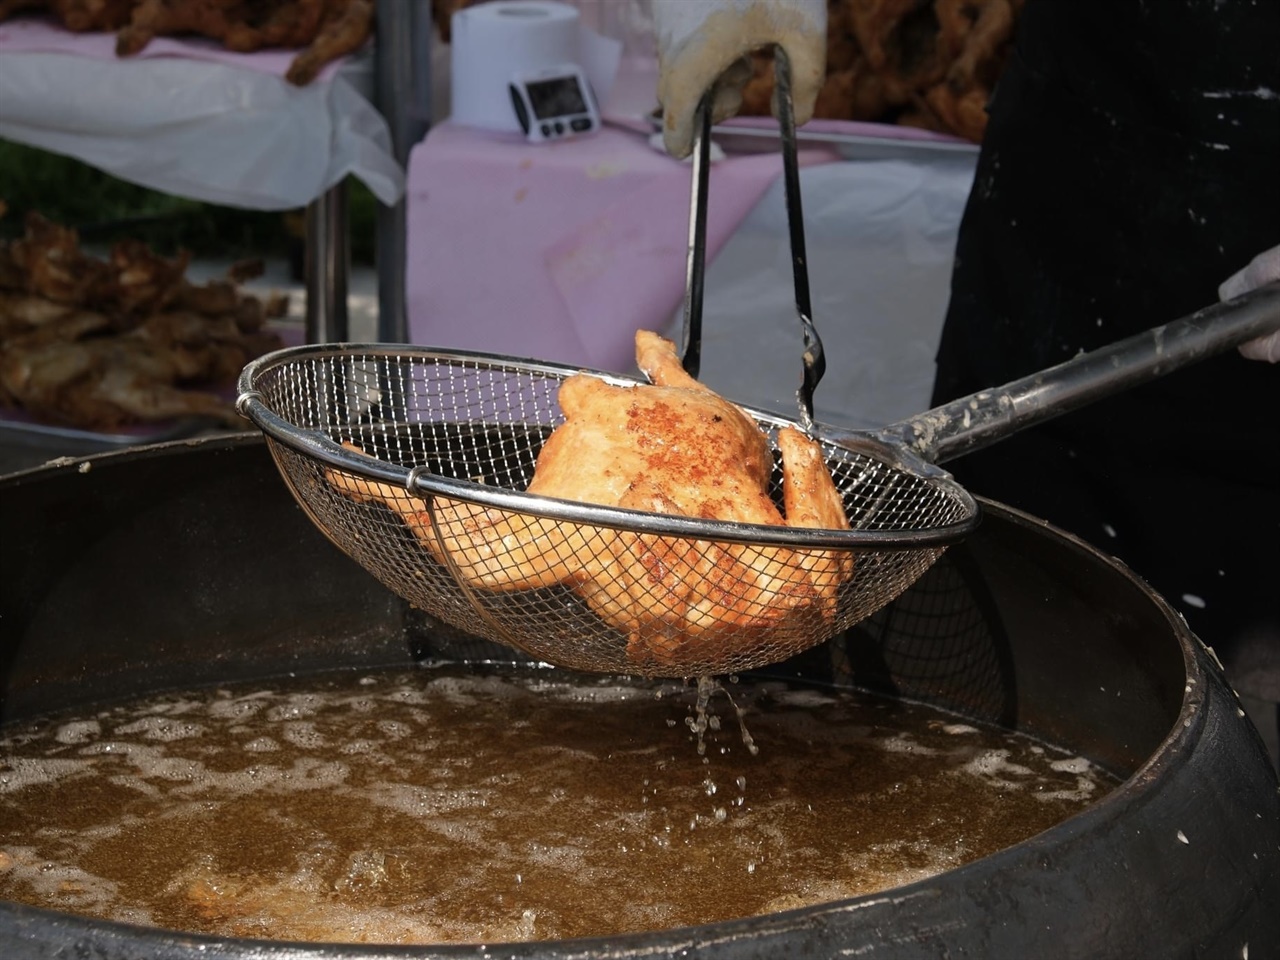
[443, 805]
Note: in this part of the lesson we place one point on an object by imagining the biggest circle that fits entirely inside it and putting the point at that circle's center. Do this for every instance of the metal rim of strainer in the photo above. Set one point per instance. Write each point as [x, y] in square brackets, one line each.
[318, 444]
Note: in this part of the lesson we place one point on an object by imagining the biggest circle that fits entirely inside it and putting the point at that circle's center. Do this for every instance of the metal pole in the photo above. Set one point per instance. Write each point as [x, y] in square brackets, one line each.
[328, 259]
[402, 92]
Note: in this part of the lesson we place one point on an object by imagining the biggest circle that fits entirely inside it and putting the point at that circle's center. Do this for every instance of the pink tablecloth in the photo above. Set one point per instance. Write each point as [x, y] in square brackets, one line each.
[558, 252]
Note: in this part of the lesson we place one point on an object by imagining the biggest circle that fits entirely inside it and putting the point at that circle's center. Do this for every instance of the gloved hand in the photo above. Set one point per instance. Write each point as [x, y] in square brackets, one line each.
[703, 46]
[1263, 268]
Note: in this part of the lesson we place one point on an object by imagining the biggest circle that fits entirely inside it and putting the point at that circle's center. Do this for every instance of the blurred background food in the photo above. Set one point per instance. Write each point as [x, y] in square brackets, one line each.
[923, 63]
[321, 30]
[101, 343]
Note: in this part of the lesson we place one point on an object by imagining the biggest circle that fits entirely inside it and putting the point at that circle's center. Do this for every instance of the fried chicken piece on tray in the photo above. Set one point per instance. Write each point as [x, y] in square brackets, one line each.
[159, 18]
[142, 281]
[47, 261]
[79, 16]
[670, 447]
[323, 30]
[920, 63]
[898, 39]
[105, 383]
[343, 29]
[293, 24]
[71, 368]
[101, 344]
[972, 38]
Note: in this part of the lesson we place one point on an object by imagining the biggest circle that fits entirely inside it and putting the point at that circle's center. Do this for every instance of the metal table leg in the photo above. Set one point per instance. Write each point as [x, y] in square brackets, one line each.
[403, 94]
[328, 260]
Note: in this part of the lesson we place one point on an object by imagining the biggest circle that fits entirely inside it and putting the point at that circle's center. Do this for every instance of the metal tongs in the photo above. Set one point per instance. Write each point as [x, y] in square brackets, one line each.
[814, 361]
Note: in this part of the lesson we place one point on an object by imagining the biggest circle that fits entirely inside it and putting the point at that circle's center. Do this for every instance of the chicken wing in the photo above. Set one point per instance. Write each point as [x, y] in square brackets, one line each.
[670, 447]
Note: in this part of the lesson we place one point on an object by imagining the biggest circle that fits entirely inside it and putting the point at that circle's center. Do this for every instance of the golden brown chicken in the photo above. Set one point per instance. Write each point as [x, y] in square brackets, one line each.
[673, 447]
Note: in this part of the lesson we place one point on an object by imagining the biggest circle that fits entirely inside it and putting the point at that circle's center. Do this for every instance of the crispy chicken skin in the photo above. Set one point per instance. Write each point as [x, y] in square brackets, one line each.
[673, 447]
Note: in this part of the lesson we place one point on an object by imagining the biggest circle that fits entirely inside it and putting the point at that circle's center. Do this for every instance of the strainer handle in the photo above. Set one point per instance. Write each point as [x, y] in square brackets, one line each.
[980, 419]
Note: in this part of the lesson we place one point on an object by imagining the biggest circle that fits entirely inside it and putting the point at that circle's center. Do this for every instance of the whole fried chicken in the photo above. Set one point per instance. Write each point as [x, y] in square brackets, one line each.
[673, 447]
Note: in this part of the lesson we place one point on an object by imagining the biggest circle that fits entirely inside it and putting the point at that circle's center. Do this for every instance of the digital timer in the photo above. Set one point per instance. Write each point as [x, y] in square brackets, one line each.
[554, 104]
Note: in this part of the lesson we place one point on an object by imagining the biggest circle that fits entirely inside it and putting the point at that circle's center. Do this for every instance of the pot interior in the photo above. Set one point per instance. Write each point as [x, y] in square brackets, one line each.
[190, 566]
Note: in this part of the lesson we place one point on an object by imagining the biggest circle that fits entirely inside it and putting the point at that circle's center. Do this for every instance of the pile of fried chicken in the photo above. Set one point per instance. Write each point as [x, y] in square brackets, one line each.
[923, 63]
[321, 30]
[675, 447]
[103, 343]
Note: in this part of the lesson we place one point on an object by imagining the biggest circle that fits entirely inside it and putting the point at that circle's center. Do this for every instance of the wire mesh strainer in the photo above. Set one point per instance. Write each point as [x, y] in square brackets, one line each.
[427, 494]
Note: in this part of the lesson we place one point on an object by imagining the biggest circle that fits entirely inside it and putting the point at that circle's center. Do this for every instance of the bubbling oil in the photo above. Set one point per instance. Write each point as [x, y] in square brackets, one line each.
[444, 805]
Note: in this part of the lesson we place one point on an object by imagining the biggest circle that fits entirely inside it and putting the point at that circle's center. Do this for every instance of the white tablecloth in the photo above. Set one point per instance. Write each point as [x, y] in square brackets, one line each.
[190, 119]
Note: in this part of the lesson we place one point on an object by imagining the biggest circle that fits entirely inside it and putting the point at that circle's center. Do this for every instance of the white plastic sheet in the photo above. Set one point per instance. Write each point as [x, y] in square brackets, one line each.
[200, 129]
[880, 238]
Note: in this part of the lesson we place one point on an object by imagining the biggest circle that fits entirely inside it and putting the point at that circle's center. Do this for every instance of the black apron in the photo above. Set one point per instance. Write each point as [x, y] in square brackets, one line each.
[1130, 165]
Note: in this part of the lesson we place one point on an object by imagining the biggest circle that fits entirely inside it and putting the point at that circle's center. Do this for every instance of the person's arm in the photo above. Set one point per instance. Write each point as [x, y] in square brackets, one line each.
[1263, 268]
[703, 44]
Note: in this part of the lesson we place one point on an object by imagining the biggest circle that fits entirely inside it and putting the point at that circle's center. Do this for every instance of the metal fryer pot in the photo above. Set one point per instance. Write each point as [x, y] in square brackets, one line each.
[190, 563]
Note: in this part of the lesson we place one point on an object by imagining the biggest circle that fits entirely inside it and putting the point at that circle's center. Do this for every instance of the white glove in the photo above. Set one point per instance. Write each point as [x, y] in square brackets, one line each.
[703, 45]
[1263, 268]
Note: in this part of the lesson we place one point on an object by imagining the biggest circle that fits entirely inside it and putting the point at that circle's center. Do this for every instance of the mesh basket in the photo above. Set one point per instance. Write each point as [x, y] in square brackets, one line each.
[415, 464]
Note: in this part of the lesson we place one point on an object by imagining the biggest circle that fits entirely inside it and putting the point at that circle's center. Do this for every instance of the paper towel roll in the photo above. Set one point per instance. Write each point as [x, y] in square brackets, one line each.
[493, 41]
